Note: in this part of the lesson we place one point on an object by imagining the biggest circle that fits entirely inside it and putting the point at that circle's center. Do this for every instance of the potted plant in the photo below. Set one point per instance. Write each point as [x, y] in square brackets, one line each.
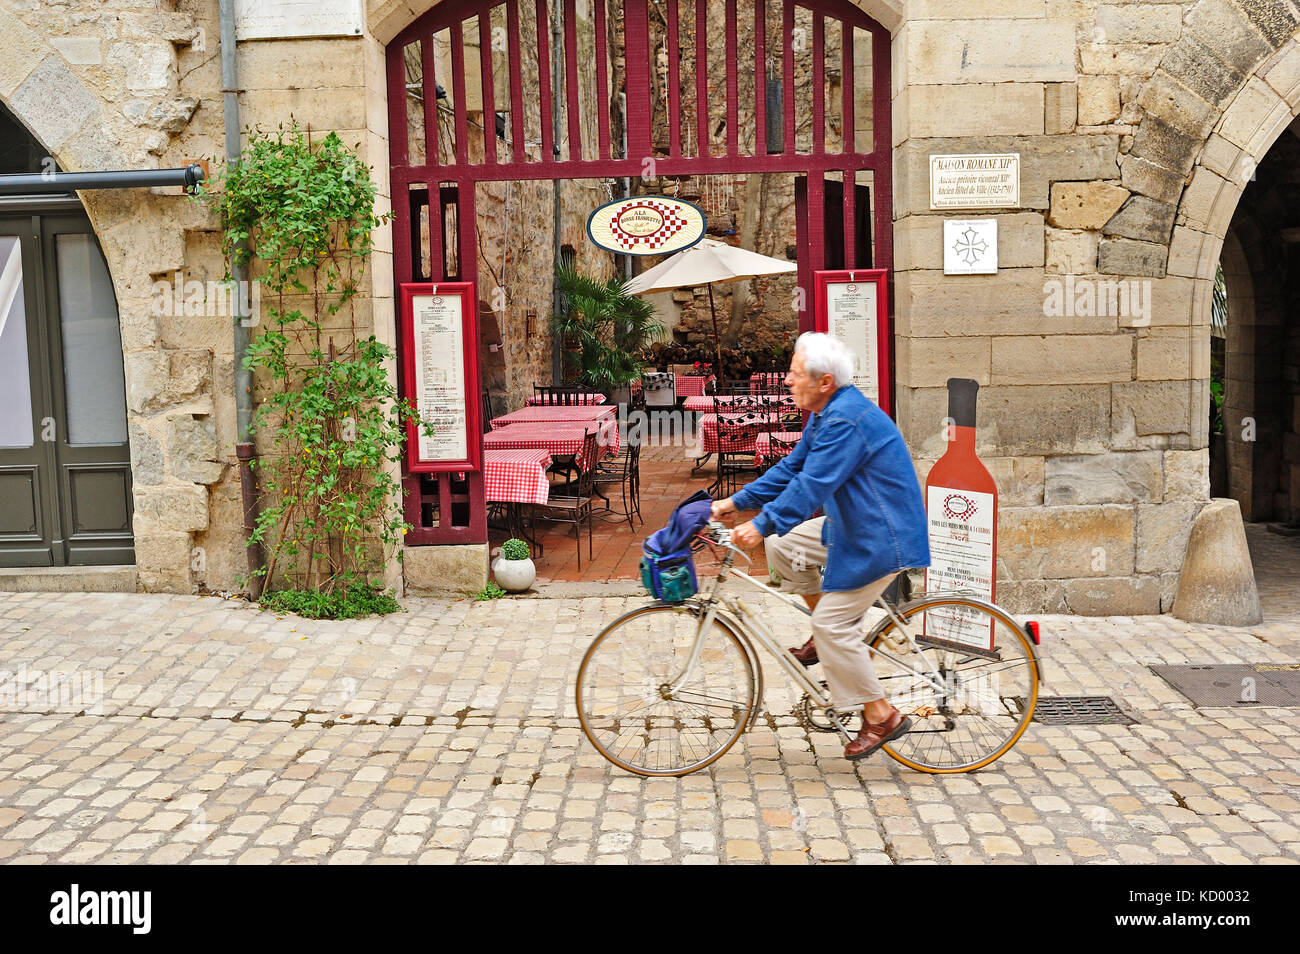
[514, 568]
[609, 328]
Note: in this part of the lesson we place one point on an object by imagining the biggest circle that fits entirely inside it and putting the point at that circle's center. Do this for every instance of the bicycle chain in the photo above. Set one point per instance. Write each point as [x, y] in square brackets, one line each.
[808, 716]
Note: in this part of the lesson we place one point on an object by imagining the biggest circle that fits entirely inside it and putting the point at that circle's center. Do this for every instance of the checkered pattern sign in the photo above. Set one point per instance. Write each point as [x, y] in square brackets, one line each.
[646, 225]
[673, 222]
[516, 475]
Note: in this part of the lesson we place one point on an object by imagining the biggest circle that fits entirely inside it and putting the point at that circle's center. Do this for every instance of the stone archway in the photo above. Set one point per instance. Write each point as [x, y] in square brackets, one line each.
[1261, 426]
[88, 122]
[1261, 112]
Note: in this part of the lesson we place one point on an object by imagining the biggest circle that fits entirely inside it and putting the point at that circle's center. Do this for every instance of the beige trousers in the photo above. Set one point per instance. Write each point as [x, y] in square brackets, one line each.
[837, 621]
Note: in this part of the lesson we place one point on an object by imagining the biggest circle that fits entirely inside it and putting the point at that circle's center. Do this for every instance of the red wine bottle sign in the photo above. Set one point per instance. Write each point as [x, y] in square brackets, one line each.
[961, 558]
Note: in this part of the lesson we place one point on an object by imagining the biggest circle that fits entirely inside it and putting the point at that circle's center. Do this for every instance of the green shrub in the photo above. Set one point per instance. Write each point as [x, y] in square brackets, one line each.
[489, 592]
[356, 600]
[605, 328]
[515, 549]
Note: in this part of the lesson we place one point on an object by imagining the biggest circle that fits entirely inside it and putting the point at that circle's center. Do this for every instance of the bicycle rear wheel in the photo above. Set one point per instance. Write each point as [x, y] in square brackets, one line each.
[639, 712]
[988, 672]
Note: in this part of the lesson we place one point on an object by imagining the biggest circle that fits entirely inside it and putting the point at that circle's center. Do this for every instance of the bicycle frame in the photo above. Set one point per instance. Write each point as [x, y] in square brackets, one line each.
[751, 626]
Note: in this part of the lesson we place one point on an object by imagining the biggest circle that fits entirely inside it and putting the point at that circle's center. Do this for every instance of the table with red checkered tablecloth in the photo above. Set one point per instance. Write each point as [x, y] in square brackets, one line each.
[558, 438]
[692, 385]
[516, 475]
[763, 444]
[766, 382]
[577, 399]
[708, 432]
[705, 404]
[558, 414]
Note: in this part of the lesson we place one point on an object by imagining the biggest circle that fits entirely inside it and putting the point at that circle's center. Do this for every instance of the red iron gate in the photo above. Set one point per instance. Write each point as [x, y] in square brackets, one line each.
[788, 38]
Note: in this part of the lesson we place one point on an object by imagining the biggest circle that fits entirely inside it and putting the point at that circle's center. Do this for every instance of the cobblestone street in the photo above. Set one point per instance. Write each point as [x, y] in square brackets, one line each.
[447, 734]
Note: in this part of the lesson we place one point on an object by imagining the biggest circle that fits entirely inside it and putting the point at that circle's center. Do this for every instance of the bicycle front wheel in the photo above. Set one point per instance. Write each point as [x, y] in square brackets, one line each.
[968, 680]
[648, 708]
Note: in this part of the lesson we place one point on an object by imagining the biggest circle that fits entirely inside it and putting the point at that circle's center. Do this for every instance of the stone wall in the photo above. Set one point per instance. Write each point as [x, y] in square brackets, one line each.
[1134, 123]
[1138, 126]
[138, 85]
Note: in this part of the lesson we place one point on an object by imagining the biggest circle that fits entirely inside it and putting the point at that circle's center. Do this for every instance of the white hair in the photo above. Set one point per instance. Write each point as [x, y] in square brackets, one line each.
[823, 354]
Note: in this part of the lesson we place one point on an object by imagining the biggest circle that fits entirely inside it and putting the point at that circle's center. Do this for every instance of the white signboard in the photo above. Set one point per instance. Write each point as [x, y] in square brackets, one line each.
[287, 19]
[970, 247]
[440, 375]
[961, 558]
[975, 182]
[851, 309]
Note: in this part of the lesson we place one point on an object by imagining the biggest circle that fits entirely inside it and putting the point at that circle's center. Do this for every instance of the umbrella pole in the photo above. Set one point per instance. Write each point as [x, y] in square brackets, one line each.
[717, 341]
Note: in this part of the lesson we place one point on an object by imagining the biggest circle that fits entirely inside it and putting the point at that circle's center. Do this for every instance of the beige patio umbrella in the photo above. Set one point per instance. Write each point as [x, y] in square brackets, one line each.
[708, 262]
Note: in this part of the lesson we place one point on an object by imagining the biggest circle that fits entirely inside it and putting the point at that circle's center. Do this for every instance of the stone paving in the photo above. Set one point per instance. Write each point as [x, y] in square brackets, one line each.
[447, 734]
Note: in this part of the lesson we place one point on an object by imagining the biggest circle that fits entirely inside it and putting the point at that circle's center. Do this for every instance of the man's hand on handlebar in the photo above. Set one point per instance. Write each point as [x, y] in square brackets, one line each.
[721, 507]
[744, 536]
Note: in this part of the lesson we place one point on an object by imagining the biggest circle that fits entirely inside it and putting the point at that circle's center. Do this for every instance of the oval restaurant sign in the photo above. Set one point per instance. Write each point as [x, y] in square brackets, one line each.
[646, 225]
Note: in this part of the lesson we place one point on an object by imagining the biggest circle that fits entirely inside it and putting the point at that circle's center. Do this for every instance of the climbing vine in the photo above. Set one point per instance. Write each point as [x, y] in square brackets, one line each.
[299, 212]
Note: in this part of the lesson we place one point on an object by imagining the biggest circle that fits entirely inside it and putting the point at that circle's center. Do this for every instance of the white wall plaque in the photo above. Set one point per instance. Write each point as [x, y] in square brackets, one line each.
[975, 182]
[970, 247]
[290, 19]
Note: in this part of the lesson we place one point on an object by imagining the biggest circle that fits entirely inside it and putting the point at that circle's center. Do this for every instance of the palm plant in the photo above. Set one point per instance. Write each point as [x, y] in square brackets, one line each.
[609, 326]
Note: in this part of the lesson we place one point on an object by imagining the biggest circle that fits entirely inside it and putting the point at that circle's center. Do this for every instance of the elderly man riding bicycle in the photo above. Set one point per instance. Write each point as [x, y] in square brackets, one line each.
[853, 464]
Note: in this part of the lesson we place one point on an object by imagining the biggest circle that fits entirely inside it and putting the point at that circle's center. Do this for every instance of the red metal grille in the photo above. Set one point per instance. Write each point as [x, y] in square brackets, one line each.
[497, 27]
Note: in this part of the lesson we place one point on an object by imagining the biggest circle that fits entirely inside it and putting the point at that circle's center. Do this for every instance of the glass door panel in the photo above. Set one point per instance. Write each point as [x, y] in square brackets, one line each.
[15, 373]
[92, 344]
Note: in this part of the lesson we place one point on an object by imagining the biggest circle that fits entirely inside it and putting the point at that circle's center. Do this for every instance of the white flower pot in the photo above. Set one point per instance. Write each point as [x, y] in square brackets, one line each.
[515, 576]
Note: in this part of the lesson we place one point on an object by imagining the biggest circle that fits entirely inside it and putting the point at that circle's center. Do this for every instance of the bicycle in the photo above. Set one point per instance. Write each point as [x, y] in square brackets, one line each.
[668, 688]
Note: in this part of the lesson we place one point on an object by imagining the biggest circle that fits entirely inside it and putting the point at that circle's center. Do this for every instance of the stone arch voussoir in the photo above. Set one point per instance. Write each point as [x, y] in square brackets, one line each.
[1225, 85]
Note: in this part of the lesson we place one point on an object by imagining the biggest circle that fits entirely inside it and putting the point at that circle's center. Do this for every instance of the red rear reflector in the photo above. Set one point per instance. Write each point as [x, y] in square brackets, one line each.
[1032, 627]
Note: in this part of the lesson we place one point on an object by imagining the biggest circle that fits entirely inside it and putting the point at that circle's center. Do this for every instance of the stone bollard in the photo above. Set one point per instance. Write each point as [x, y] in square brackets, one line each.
[1217, 583]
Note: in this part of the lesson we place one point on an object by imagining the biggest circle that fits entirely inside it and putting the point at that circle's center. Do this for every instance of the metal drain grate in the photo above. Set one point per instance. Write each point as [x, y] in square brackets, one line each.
[1080, 710]
[1255, 684]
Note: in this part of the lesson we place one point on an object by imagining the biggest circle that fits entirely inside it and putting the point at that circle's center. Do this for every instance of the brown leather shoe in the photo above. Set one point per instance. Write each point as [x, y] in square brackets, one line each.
[806, 654]
[873, 736]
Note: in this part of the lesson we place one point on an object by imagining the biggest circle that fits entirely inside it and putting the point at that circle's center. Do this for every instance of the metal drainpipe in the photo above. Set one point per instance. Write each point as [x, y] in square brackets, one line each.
[244, 449]
[557, 342]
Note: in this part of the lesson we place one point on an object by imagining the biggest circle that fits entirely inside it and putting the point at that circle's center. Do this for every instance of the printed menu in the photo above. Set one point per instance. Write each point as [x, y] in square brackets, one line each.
[440, 376]
[851, 309]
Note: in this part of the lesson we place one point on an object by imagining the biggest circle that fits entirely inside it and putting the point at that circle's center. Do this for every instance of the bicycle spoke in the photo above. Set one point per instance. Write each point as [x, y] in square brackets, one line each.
[619, 694]
[729, 703]
[971, 719]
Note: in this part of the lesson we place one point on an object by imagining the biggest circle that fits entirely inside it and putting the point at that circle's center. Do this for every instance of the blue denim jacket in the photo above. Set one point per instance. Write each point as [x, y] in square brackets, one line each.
[851, 462]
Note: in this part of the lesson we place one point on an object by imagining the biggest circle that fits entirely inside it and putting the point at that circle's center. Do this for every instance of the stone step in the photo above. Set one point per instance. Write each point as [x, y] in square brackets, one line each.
[68, 579]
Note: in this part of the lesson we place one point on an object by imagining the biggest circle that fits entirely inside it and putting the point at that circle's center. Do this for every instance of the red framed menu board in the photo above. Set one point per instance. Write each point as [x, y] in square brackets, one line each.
[440, 374]
[853, 306]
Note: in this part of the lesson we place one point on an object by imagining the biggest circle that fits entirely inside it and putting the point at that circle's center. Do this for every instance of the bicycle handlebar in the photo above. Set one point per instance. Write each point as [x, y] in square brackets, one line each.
[719, 534]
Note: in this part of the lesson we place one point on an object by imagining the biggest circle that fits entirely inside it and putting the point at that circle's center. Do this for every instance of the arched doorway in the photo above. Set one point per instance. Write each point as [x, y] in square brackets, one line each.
[65, 463]
[611, 91]
[1258, 452]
